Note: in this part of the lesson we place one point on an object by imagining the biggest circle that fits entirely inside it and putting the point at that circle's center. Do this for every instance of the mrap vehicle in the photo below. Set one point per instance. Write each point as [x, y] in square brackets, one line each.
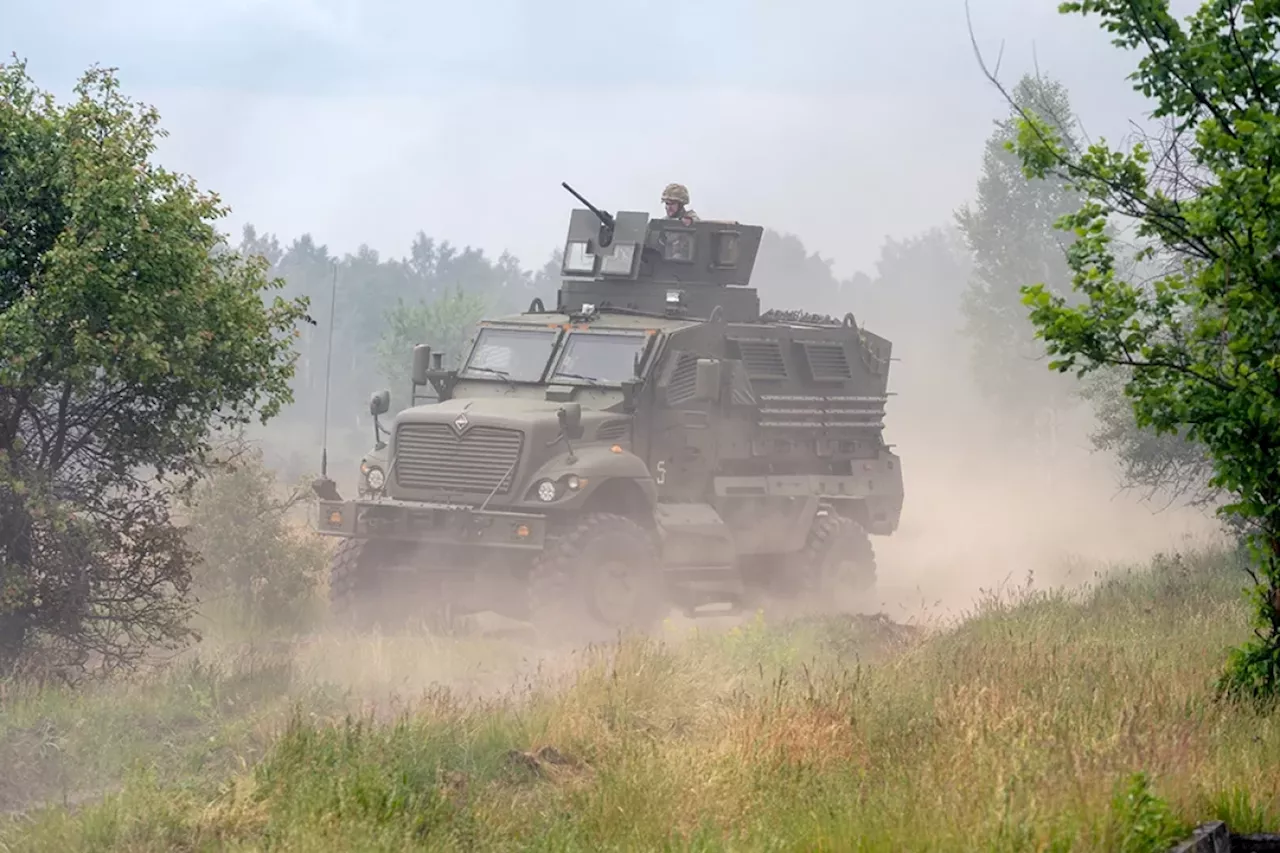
[653, 441]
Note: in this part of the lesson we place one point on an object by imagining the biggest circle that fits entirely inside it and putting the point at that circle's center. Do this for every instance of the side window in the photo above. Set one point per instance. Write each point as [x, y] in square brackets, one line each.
[726, 243]
[677, 246]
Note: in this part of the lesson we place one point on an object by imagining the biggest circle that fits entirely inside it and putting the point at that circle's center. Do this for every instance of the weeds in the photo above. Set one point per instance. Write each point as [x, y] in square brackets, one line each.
[1045, 721]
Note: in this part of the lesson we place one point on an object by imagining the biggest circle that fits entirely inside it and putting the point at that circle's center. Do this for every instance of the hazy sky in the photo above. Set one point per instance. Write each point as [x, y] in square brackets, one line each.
[364, 122]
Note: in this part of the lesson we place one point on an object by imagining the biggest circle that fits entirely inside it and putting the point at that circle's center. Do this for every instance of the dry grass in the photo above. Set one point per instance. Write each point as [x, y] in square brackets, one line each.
[1043, 722]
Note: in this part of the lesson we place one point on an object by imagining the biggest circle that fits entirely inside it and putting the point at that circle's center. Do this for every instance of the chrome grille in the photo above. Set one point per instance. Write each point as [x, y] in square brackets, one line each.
[433, 456]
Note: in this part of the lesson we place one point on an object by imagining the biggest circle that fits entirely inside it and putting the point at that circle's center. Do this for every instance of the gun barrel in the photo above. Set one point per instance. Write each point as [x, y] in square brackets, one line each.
[605, 218]
[575, 193]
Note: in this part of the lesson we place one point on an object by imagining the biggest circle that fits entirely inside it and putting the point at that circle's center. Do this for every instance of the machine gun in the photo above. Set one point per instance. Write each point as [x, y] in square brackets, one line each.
[607, 222]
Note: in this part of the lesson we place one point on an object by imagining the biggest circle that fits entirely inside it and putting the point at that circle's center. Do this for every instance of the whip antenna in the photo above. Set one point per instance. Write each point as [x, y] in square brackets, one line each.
[328, 367]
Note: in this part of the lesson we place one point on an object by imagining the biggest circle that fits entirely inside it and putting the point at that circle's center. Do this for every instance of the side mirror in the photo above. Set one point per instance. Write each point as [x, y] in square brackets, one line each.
[570, 417]
[421, 363]
[380, 403]
[706, 384]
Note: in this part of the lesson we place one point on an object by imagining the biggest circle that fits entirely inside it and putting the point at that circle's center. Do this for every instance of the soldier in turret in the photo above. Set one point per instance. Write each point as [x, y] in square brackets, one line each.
[675, 197]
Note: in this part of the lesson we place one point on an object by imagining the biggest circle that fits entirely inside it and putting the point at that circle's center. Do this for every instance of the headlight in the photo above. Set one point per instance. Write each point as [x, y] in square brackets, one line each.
[547, 491]
[375, 478]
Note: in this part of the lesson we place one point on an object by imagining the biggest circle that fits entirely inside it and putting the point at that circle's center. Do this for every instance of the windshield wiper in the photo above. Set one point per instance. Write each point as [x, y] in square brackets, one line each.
[506, 377]
[592, 379]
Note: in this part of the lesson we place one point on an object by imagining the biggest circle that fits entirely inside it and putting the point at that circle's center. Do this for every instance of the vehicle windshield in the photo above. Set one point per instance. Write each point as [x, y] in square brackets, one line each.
[518, 355]
[592, 357]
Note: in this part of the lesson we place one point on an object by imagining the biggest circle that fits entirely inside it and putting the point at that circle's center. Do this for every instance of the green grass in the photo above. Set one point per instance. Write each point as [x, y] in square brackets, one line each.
[200, 717]
[1043, 721]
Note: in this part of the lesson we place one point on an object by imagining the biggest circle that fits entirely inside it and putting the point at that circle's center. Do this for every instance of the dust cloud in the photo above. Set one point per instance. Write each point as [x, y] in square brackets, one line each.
[978, 516]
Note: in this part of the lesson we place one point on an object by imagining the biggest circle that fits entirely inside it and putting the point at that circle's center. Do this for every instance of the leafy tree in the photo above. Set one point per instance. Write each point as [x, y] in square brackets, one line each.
[371, 291]
[129, 335]
[787, 273]
[916, 293]
[1011, 234]
[546, 281]
[1202, 341]
[266, 247]
[1169, 466]
[1166, 463]
[445, 323]
[257, 567]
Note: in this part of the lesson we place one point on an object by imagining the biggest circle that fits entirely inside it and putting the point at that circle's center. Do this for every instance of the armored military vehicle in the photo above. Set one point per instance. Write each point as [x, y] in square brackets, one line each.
[650, 441]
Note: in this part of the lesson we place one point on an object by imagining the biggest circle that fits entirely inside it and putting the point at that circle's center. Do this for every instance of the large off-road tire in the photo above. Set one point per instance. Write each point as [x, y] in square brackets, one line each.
[838, 562]
[364, 593]
[353, 581]
[600, 575]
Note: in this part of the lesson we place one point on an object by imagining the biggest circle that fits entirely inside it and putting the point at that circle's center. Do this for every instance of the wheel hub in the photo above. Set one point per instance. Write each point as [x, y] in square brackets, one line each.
[614, 591]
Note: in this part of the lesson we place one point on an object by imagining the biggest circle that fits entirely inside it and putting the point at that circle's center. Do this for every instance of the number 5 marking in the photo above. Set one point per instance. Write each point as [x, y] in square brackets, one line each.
[661, 468]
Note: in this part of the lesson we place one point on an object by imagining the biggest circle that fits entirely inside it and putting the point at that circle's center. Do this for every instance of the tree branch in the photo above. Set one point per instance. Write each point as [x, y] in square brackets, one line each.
[1132, 206]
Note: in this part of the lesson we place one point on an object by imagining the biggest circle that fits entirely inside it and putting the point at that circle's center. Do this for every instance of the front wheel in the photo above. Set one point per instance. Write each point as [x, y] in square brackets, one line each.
[353, 581]
[366, 592]
[602, 574]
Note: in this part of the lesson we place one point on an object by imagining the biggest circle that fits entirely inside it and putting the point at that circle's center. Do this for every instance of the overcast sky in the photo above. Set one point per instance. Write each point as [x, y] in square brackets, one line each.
[364, 122]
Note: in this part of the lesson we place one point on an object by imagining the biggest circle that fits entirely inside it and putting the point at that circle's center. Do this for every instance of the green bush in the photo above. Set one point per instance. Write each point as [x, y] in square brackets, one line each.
[259, 565]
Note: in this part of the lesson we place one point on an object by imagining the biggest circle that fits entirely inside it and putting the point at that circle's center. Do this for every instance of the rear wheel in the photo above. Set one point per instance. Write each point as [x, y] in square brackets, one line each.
[838, 561]
[600, 575]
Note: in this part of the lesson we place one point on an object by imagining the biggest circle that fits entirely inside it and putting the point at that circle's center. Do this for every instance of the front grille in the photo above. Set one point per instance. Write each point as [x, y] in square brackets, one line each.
[433, 456]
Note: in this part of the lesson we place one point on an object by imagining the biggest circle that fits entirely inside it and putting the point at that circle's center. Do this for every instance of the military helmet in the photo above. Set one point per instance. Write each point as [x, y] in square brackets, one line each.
[676, 192]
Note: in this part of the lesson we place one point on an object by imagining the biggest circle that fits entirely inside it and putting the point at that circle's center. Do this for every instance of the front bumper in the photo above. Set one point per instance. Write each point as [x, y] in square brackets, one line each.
[443, 524]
